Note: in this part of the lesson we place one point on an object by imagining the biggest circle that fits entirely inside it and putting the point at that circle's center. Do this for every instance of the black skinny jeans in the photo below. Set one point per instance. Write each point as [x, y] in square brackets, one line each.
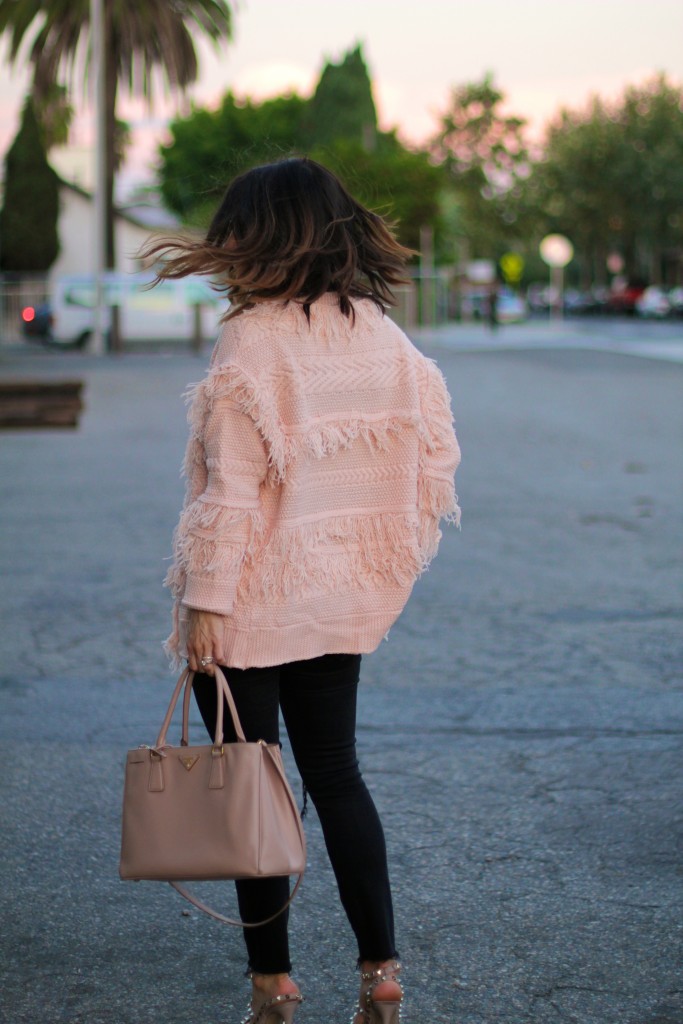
[318, 702]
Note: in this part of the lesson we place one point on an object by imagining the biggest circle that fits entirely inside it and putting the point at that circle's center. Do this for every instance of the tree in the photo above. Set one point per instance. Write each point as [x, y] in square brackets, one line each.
[485, 155]
[209, 148]
[651, 117]
[611, 178]
[29, 241]
[342, 106]
[54, 113]
[573, 186]
[139, 39]
[399, 183]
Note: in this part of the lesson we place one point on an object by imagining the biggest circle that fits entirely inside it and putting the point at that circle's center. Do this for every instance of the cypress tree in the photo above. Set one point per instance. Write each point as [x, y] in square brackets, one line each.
[342, 106]
[29, 240]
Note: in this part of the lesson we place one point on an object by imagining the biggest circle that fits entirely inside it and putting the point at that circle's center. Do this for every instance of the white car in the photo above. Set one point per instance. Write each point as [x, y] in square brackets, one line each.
[676, 301]
[653, 303]
[510, 309]
[164, 313]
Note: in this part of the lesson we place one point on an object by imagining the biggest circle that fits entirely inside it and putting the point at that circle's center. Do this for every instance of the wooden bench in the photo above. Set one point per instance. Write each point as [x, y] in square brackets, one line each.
[37, 403]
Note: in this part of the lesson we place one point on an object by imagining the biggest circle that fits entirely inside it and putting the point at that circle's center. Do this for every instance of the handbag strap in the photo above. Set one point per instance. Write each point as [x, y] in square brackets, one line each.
[222, 691]
[230, 920]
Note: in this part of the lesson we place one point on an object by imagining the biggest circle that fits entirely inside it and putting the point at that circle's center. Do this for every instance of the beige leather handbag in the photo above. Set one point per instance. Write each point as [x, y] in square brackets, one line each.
[223, 811]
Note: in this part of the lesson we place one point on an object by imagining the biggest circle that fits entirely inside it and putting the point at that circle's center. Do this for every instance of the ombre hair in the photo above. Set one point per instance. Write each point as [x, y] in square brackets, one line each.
[290, 231]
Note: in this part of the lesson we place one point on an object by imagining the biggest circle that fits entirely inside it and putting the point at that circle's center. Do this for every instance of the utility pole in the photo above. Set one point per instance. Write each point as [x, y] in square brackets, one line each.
[427, 282]
[97, 64]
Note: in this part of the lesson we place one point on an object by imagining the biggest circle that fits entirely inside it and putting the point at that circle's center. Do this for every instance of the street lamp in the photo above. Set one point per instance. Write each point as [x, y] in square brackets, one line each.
[97, 57]
[557, 251]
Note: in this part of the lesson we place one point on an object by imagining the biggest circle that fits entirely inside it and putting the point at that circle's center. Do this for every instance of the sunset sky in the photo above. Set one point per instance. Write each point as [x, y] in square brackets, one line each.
[543, 53]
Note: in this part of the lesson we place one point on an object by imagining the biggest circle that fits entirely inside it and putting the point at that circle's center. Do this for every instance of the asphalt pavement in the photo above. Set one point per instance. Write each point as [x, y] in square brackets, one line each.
[520, 730]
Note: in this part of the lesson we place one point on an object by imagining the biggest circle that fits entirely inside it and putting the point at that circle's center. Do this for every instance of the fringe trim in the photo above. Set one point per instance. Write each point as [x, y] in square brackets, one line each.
[218, 519]
[437, 412]
[437, 500]
[327, 439]
[208, 539]
[211, 538]
[437, 497]
[320, 440]
[171, 645]
[338, 554]
[194, 457]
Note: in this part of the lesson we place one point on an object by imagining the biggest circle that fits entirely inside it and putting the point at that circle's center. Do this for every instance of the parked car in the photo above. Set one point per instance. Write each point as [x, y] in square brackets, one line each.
[37, 321]
[676, 301]
[653, 303]
[624, 300]
[591, 302]
[511, 309]
[164, 314]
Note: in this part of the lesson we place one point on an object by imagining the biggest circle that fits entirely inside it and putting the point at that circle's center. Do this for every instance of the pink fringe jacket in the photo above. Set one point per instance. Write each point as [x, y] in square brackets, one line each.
[320, 461]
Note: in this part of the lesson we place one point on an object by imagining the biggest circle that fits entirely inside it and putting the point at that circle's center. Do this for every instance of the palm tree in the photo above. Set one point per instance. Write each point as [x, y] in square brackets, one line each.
[141, 37]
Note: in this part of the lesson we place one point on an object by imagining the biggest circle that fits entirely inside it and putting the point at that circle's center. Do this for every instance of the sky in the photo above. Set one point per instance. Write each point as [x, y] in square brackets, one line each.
[544, 54]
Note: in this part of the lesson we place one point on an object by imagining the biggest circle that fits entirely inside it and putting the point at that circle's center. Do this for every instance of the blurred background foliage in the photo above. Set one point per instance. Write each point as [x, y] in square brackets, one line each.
[337, 126]
[141, 40]
[610, 176]
[28, 219]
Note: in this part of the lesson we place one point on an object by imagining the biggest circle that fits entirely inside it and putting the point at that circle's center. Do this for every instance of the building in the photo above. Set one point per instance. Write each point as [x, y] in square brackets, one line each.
[133, 228]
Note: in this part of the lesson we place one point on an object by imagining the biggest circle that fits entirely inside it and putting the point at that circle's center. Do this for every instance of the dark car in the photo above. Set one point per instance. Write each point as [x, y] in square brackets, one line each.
[37, 321]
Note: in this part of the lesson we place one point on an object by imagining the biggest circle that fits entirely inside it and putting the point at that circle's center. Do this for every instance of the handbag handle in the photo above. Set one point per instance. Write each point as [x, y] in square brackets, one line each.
[222, 691]
[231, 920]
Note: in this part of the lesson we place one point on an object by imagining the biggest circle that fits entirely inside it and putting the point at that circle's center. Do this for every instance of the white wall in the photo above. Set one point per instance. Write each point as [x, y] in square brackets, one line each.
[76, 234]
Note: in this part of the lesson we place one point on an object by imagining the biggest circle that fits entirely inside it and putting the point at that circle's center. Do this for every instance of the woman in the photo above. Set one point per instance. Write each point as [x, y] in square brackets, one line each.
[320, 462]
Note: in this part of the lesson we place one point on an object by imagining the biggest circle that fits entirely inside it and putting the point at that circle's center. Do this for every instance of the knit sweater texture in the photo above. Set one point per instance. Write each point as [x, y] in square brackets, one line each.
[321, 459]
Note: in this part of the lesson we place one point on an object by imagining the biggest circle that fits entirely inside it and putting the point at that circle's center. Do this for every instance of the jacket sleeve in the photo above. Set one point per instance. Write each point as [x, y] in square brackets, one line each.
[439, 459]
[226, 464]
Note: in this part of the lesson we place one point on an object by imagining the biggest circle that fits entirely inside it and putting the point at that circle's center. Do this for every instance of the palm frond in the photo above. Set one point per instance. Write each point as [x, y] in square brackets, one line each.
[144, 37]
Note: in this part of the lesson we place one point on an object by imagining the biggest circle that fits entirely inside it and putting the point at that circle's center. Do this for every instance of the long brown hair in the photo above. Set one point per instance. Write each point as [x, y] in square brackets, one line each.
[290, 231]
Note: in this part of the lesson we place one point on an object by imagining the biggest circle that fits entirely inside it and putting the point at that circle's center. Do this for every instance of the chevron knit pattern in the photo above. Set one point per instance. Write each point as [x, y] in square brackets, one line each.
[321, 459]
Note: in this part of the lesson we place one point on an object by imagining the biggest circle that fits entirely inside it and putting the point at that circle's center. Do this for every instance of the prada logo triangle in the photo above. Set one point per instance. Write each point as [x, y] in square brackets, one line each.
[187, 762]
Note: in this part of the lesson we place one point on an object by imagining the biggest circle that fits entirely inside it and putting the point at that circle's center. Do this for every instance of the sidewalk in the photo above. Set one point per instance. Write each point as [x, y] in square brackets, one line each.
[648, 339]
[521, 730]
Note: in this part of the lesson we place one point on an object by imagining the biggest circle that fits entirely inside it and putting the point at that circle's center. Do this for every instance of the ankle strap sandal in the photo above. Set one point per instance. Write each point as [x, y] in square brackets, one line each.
[378, 1011]
[274, 1010]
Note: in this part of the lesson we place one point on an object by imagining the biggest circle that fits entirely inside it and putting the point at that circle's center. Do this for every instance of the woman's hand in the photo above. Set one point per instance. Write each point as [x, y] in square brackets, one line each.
[204, 639]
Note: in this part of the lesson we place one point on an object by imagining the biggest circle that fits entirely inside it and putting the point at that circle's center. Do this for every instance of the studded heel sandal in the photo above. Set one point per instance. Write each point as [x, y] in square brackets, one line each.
[273, 1010]
[378, 1011]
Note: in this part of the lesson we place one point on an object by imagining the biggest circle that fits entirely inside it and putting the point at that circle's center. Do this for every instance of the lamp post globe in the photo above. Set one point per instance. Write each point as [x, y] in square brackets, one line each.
[557, 251]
